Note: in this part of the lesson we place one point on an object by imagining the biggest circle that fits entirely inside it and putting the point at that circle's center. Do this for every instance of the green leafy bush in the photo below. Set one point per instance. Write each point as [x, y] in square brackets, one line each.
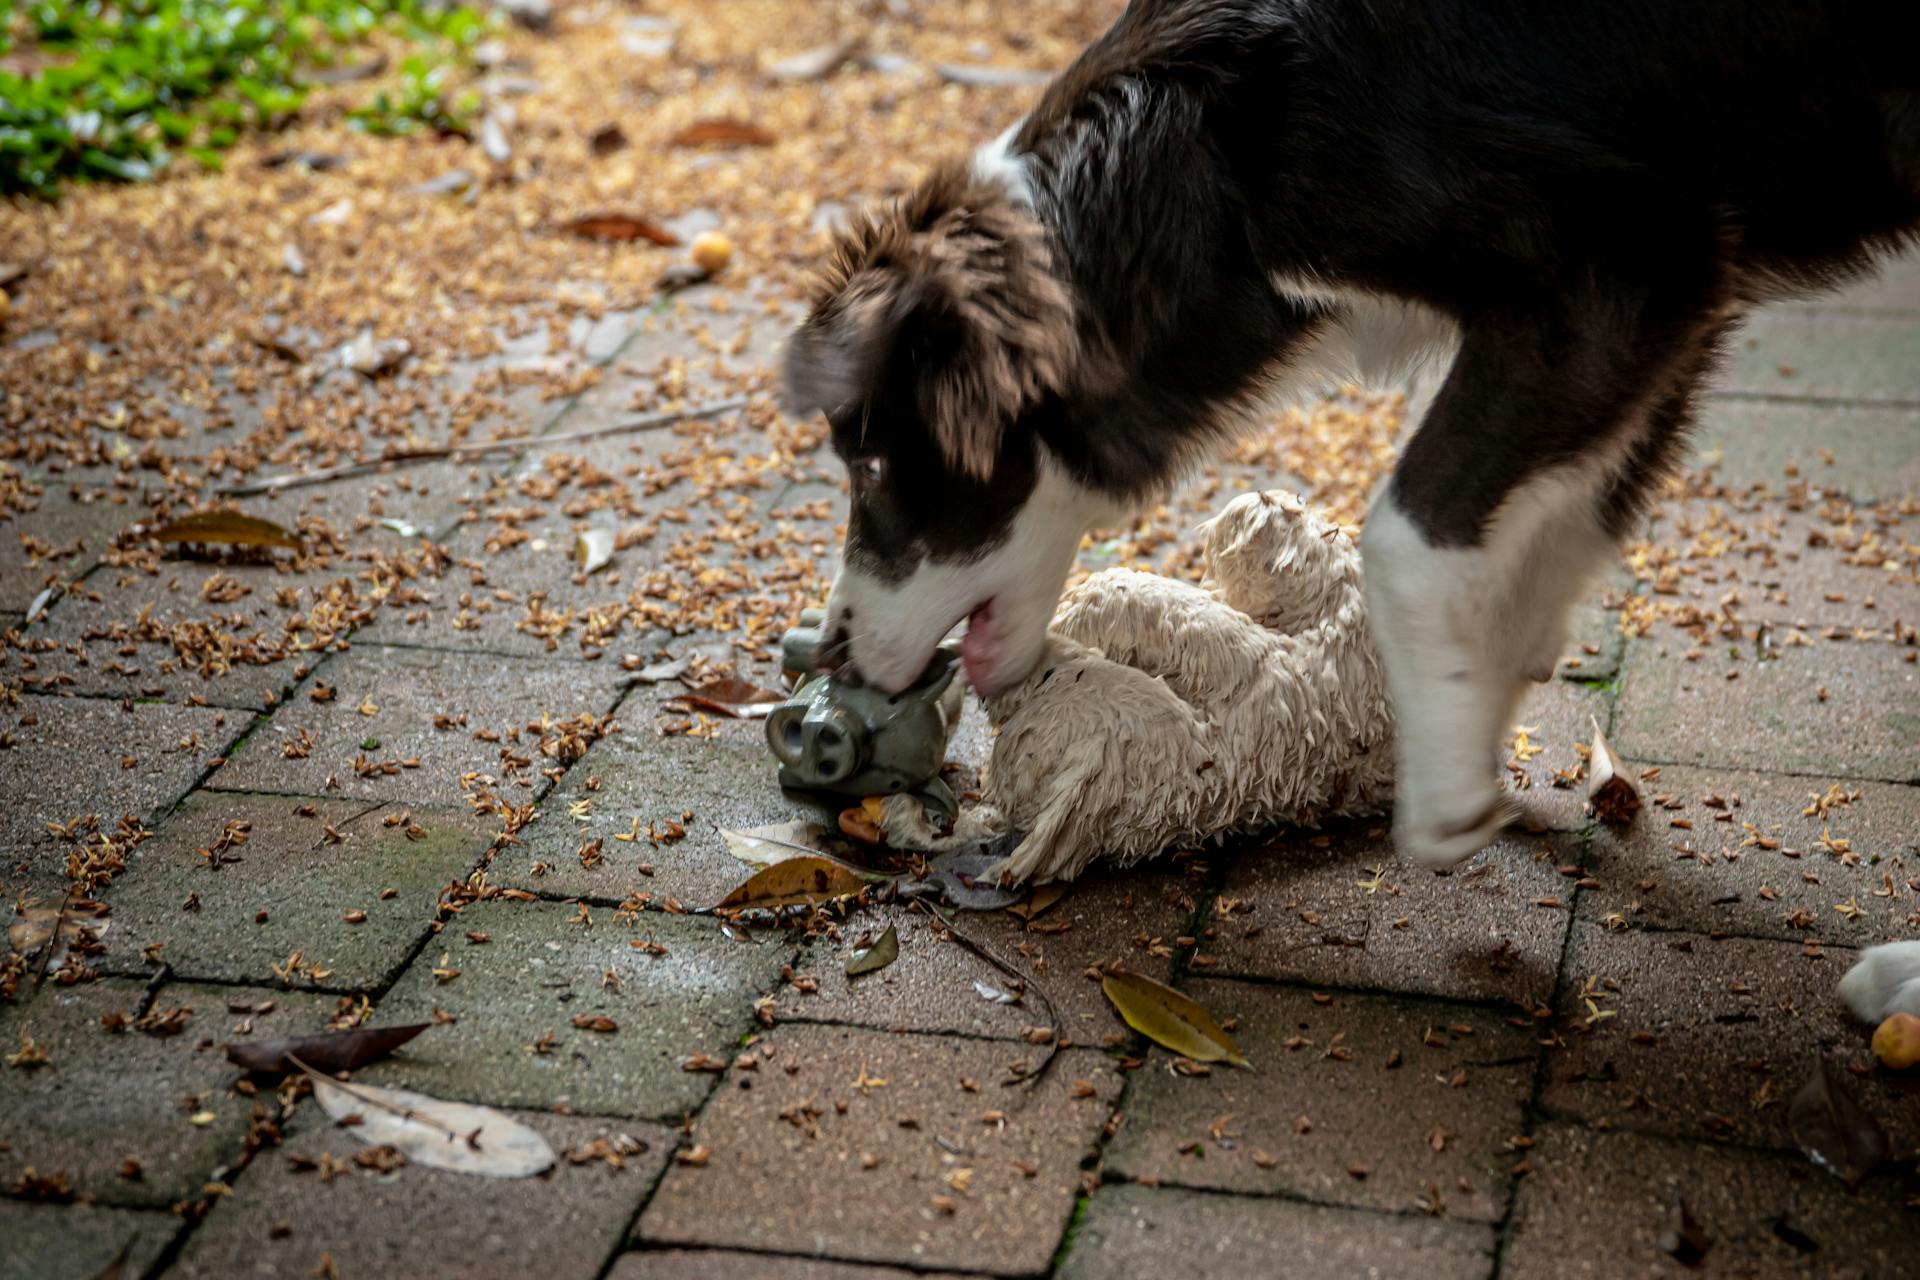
[115, 89]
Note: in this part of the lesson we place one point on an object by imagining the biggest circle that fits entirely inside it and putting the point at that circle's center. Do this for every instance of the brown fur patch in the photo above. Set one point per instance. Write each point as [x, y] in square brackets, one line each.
[959, 257]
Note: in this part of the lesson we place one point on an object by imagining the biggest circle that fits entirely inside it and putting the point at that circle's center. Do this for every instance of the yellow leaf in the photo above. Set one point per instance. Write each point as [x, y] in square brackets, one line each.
[224, 526]
[807, 878]
[1170, 1019]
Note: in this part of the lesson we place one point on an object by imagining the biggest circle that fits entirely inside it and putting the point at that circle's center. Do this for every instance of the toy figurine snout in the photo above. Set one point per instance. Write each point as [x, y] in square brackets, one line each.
[821, 744]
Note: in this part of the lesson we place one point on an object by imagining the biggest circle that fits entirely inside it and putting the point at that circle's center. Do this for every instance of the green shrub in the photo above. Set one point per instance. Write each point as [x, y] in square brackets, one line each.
[117, 90]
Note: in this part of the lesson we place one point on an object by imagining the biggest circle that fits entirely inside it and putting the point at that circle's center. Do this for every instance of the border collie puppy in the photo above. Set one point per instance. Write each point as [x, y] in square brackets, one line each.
[1574, 201]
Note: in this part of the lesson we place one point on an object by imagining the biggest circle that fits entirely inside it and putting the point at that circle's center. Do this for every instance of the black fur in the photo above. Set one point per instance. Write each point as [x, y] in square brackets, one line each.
[1589, 188]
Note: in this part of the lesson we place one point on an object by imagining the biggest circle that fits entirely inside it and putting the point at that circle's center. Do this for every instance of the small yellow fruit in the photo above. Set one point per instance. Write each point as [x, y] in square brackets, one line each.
[711, 250]
[1897, 1042]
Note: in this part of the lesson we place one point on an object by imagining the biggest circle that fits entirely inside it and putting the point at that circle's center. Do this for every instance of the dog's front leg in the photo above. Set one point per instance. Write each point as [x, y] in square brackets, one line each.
[1535, 456]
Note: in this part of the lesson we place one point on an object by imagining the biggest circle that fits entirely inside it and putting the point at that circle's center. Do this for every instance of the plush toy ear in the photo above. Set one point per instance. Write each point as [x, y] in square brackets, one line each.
[951, 293]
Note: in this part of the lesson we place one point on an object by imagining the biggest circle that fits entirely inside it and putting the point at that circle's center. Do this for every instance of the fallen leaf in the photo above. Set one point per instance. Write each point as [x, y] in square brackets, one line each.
[995, 994]
[960, 877]
[1833, 1130]
[884, 951]
[723, 132]
[1170, 1019]
[595, 1022]
[117, 1268]
[331, 1051]
[606, 139]
[493, 138]
[989, 76]
[1610, 792]
[1040, 900]
[458, 1136]
[82, 923]
[230, 527]
[857, 824]
[620, 227]
[1684, 1241]
[812, 64]
[372, 358]
[449, 183]
[804, 879]
[731, 696]
[593, 549]
[764, 846]
[40, 603]
[655, 672]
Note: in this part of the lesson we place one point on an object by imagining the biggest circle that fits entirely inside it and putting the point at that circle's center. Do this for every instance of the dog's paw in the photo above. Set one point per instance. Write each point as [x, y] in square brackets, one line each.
[1885, 980]
[1441, 836]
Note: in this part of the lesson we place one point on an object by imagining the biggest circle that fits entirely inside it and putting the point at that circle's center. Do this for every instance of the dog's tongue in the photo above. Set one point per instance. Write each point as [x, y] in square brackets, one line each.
[976, 646]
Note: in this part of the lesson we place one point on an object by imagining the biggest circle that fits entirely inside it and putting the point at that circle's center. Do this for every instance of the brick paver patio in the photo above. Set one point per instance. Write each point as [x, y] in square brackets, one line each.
[1523, 1068]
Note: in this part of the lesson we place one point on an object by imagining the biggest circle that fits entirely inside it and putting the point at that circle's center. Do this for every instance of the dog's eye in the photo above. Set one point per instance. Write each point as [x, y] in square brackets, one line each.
[870, 470]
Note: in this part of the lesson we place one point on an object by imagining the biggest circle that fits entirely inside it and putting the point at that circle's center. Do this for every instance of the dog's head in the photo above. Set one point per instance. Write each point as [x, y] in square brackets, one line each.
[938, 339]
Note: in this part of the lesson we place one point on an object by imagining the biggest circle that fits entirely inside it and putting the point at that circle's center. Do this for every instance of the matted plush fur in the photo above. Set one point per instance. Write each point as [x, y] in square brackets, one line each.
[1166, 715]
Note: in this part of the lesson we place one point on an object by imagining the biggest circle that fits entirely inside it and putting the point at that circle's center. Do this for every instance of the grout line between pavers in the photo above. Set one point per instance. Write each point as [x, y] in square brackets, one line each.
[1811, 401]
[912, 1268]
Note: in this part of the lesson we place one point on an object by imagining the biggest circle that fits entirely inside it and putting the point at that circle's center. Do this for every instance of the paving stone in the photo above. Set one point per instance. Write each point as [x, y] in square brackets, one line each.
[1549, 782]
[79, 1241]
[1736, 1027]
[64, 518]
[1375, 1112]
[56, 770]
[777, 1136]
[1824, 565]
[1130, 918]
[1140, 1233]
[723, 1264]
[1331, 912]
[538, 970]
[1594, 640]
[104, 1097]
[726, 781]
[408, 688]
[1864, 451]
[1770, 716]
[1732, 882]
[421, 1221]
[305, 883]
[1597, 1204]
[1834, 356]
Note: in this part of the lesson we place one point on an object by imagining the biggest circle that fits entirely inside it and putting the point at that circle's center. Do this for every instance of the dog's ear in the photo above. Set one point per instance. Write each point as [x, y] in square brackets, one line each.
[950, 295]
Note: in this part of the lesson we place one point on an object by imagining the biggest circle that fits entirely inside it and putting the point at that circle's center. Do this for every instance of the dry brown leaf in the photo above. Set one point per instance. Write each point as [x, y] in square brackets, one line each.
[1170, 1019]
[230, 527]
[332, 1051]
[620, 227]
[730, 696]
[1610, 791]
[723, 132]
[803, 879]
[1040, 900]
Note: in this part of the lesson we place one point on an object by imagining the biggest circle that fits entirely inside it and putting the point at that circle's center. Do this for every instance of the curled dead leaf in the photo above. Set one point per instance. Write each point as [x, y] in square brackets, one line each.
[593, 549]
[884, 951]
[1610, 792]
[331, 1051]
[812, 64]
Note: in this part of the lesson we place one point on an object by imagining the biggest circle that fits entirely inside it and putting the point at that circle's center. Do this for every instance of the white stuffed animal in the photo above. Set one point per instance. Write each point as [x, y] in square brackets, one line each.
[1165, 714]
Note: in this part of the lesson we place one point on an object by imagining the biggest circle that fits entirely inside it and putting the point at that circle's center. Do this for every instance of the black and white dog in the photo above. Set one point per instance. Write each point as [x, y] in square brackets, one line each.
[1574, 200]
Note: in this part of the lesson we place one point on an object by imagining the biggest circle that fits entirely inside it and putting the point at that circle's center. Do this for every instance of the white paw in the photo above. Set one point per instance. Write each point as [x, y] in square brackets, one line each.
[1885, 980]
[1439, 836]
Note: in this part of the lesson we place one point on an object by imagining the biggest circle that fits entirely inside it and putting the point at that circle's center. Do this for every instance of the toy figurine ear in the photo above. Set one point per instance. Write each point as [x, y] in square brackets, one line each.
[956, 284]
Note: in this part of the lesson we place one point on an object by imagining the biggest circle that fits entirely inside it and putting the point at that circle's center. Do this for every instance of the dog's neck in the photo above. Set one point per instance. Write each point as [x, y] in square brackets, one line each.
[1181, 334]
